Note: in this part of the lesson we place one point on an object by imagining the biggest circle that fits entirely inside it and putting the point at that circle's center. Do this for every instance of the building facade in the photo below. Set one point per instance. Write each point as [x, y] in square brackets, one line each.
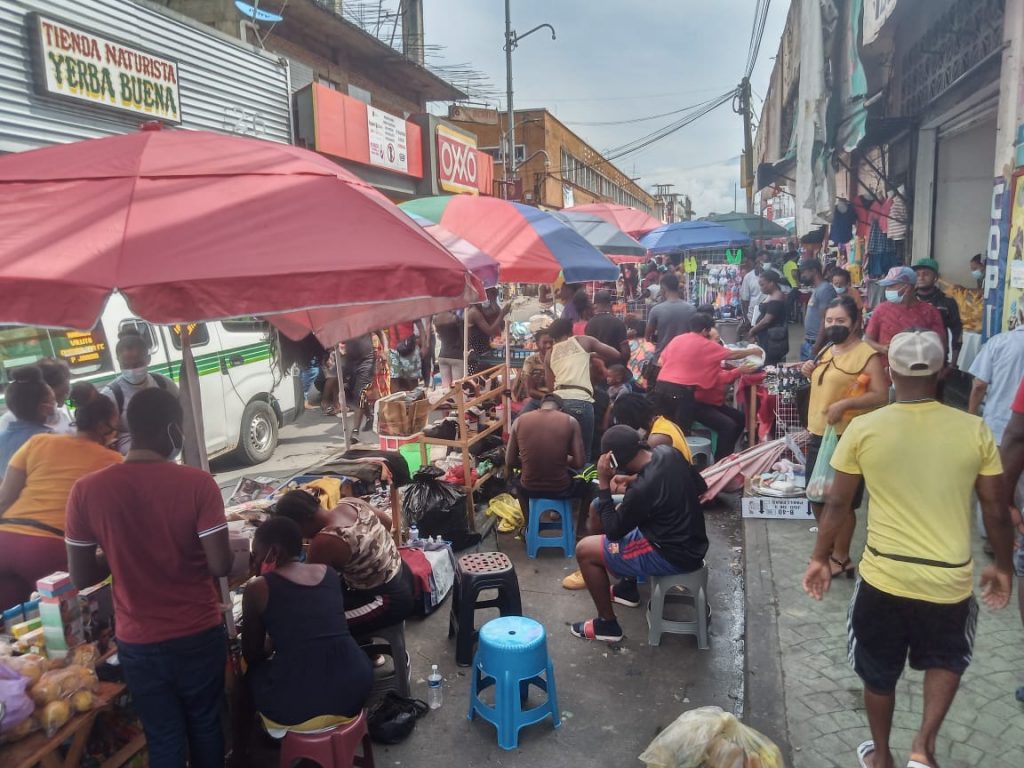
[921, 115]
[555, 168]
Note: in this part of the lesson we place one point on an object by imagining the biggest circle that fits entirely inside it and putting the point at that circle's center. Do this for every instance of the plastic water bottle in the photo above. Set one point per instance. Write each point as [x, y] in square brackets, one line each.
[435, 694]
[414, 534]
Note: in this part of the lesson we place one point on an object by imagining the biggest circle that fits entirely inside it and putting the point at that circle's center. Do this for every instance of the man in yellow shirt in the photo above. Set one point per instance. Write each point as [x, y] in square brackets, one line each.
[920, 461]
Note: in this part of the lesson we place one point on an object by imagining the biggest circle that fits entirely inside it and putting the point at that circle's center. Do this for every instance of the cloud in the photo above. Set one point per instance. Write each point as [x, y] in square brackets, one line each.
[711, 187]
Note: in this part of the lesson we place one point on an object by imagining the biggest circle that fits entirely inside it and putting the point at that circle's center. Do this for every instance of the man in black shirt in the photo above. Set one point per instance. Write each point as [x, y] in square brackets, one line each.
[656, 530]
[606, 327]
[927, 276]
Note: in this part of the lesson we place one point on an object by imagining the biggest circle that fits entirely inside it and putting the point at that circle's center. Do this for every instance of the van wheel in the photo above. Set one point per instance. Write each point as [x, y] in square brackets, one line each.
[257, 438]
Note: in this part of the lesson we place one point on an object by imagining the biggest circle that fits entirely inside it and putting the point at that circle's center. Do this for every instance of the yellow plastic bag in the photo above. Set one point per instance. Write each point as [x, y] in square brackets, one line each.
[509, 513]
[708, 737]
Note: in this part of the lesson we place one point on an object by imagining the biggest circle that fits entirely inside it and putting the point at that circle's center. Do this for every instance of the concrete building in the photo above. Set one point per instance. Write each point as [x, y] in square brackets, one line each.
[556, 168]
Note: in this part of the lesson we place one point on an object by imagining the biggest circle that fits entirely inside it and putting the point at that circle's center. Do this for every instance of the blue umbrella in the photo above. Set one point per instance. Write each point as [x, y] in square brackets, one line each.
[692, 235]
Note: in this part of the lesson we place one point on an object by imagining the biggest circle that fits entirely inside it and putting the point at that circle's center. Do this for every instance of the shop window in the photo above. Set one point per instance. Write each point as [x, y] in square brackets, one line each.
[360, 93]
[85, 352]
[199, 334]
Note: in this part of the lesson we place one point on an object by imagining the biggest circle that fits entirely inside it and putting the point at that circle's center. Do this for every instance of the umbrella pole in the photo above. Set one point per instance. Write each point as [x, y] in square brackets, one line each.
[342, 404]
[194, 447]
[506, 399]
[465, 343]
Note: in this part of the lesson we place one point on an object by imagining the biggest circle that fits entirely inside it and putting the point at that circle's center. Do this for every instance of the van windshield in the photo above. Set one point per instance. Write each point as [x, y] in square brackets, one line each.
[86, 352]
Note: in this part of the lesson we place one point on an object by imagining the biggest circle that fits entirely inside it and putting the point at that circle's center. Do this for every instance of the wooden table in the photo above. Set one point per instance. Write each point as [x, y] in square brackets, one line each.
[37, 749]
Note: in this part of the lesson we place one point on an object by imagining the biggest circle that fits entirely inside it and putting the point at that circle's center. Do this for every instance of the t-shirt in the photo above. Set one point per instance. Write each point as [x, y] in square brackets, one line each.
[1018, 401]
[1000, 364]
[52, 464]
[692, 360]
[664, 503]
[750, 291]
[451, 336]
[923, 508]
[668, 320]
[820, 298]
[15, 436]
[607, 328]
[544, 441]
[716, 394]
[671, 430]
[128, 391]
[61, 423]
[149, 519]
[889, 318]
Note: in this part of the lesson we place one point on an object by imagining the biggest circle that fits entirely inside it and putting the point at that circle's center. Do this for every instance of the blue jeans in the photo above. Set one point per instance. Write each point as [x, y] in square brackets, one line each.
[805, 350]
[177, 689]
[583, 412]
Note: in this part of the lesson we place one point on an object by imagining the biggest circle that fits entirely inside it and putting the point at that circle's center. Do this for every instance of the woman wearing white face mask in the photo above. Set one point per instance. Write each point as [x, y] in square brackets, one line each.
[133, 359]
[35, 492]
[838, 394]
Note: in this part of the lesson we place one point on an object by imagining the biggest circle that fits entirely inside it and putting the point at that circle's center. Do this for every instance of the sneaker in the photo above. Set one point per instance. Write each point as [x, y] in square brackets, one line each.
[574, 581]
[598, 629]
[626, 592]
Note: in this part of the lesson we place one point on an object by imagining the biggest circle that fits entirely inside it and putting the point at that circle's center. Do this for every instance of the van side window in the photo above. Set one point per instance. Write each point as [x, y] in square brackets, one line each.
[245, 325]
[199, 334]
[144, 329]
[85, 352]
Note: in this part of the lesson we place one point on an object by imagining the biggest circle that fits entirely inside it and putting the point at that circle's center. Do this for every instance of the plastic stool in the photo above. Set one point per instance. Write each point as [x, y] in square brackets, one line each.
[696, 584]
[512, 656]
[388, 641]
[700, 446]
[473, 574]
[701, 430]
[334, 748]
[566, 540]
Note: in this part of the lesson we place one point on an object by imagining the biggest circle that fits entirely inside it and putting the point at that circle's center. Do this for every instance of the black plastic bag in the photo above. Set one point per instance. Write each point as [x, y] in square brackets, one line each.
[429, 497]
[394, 717]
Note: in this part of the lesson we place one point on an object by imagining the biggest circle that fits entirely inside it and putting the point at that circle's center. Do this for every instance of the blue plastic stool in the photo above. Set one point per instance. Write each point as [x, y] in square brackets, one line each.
[534, 528]
[512, 655]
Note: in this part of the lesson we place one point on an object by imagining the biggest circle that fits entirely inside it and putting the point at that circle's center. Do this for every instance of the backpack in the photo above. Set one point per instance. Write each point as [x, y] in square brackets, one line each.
[115, 386]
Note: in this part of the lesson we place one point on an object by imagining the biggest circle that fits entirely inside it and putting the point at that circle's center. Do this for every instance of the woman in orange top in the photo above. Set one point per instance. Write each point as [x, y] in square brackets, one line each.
[35, 492]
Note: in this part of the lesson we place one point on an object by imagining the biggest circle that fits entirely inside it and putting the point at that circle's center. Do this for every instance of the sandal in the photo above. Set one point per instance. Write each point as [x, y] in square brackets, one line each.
[846, 568]
[866, 748]
[916, 761]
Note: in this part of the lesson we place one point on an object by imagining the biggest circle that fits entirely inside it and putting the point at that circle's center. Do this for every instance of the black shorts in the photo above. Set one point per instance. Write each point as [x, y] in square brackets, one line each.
[884, 629]
[811, 453]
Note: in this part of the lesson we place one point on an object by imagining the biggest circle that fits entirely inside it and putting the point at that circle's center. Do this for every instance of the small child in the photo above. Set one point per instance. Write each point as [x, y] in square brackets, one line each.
[620, 382]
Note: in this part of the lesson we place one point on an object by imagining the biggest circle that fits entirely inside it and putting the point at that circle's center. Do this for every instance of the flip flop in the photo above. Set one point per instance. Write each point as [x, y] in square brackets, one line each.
[915, 762]
[865, 749]
[588, 631]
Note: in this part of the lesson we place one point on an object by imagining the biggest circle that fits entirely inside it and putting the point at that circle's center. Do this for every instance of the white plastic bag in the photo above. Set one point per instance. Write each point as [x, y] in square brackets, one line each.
[709, 737]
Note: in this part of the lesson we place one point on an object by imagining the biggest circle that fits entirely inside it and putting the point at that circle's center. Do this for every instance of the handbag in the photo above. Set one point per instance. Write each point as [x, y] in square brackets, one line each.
[406, 346]
[394, 717]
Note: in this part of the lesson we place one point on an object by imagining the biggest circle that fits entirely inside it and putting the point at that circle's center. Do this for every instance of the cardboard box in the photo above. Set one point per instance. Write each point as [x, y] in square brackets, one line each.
[776, 509]
[22, 628]
[58, 613]
[55, 585]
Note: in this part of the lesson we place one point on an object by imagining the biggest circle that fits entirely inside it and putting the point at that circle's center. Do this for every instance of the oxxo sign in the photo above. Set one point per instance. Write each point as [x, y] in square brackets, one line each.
[456, 161]
[74, 63]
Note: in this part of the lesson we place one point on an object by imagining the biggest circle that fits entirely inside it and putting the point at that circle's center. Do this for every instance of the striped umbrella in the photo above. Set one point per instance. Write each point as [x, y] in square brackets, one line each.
[531, 246]
[603, 235]
[476, 261]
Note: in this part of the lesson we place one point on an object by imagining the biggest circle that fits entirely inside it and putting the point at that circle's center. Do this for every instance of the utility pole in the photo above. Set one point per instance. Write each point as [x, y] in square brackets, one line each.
[510, 127]
[748, 143]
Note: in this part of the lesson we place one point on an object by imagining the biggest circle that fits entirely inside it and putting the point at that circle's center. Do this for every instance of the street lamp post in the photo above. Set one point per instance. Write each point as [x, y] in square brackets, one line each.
[511, 41]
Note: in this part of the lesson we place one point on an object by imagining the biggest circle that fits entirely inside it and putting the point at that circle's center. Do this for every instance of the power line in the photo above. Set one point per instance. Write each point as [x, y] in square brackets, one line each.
[638, 119]
[756, 34]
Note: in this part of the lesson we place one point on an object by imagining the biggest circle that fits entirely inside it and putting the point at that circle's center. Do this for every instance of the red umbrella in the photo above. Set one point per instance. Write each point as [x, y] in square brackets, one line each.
[632, 221]
[190, 226]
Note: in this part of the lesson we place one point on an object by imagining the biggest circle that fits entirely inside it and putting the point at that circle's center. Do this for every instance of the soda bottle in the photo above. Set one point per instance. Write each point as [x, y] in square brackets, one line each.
[435, 694]
[414, 534]
[859, 387]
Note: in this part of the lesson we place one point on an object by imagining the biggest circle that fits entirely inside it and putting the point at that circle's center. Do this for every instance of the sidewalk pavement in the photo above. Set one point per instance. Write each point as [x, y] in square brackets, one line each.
[820, 711]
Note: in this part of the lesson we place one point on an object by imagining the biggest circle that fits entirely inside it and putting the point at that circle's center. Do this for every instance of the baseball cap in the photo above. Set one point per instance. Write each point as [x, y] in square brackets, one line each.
[931, 264]
[916, 353]
[899, 276]
[624, 443]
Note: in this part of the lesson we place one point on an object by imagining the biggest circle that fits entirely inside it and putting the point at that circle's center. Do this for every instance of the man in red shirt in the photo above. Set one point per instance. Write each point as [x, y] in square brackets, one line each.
[164, 538]
[902, 311]
[1011, 451]
[691, 384]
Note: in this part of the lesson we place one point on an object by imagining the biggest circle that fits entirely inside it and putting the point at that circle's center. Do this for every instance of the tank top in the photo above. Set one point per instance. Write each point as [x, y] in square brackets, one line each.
[375, 559]
[831, 380]
[570, 363]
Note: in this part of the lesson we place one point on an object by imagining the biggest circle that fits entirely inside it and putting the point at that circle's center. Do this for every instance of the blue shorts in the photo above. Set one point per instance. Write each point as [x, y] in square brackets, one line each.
[634, 555]
[1018, 556]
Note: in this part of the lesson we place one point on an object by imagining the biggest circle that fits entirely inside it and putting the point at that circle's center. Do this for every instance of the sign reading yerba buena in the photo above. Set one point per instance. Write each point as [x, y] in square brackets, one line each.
[79, 64]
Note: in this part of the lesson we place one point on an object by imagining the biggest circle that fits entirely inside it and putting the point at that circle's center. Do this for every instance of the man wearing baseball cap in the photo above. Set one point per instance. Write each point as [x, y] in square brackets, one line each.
[927, 276]
[656, 530]
[920, 461]
[901, 311]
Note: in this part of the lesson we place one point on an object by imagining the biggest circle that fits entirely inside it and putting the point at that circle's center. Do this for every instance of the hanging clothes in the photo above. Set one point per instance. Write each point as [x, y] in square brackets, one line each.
[882, 254]
[898, 219]
[842, 224]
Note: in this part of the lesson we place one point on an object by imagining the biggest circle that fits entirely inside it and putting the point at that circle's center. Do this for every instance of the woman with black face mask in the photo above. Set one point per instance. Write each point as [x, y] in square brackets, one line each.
[847, 378]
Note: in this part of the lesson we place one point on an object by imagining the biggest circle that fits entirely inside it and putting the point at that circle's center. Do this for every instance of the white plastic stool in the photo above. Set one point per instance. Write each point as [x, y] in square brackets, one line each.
[700, 446]
[696, 584]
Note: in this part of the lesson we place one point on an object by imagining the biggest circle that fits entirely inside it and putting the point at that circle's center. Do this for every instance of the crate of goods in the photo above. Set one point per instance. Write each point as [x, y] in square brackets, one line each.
[400, 414]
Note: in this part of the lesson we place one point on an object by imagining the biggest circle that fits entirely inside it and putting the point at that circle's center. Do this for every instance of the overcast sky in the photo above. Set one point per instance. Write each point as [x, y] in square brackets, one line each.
[622, 59]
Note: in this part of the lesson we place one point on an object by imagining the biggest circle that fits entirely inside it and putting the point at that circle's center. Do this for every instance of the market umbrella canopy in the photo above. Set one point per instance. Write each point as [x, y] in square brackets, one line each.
[606, 237]
[476, 261]
[191, 226]
[757, 227]
[531, 246]
[692, 235]
[632, 221]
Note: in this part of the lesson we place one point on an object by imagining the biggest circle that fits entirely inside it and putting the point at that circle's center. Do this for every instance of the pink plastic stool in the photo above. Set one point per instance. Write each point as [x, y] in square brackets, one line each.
[335, 748]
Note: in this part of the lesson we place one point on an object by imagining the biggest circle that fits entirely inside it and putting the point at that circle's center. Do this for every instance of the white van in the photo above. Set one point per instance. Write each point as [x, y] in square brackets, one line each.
[246, 395]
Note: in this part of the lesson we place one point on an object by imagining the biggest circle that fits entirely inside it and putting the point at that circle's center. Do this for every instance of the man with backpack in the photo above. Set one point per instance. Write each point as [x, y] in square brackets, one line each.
[133, 358]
